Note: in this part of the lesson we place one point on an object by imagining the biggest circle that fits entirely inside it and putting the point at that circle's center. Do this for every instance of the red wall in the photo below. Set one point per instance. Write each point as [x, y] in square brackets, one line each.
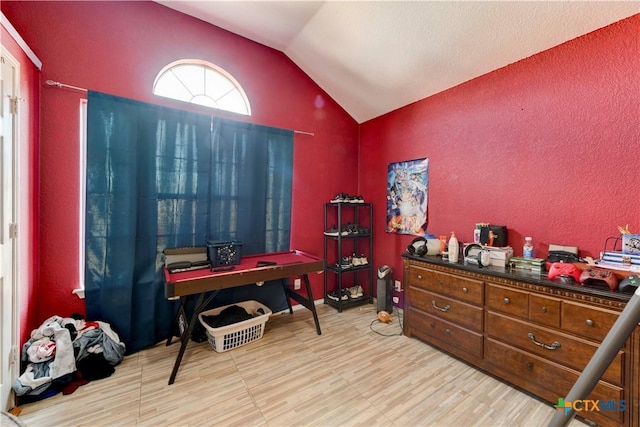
[548, 146]
[27, 153]
[118, 48]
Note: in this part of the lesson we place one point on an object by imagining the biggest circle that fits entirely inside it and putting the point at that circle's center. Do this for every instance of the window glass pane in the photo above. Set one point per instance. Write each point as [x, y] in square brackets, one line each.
[168, 85]
[199, 83]
[233, 102]
[206, 101]
[191, 76]
[217, 85]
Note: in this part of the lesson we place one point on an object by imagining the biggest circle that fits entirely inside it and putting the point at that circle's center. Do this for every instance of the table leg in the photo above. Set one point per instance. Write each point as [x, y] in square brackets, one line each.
[181, 318]
[306, 302]
[178, 321]
[307, 284]
[285, 288]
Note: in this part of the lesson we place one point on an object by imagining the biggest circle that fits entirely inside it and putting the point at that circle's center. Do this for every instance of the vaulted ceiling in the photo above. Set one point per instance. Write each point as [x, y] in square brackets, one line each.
[373, 57]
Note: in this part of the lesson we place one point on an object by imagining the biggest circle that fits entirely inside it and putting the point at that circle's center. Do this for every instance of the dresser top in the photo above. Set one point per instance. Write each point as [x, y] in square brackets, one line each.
[521, 275]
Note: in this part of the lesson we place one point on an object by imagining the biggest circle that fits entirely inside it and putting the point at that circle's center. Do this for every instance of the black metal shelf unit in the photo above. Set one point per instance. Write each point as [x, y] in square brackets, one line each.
[347, 241]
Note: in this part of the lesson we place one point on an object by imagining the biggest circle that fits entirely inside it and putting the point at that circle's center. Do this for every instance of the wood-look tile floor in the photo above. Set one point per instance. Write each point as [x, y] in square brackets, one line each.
[348, 376]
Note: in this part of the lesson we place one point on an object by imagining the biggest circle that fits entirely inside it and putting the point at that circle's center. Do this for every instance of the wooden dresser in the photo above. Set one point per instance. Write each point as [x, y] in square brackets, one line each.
[531, 332]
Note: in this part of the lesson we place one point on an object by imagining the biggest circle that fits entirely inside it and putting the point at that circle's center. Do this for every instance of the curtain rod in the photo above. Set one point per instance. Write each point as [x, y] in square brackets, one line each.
[61, 85]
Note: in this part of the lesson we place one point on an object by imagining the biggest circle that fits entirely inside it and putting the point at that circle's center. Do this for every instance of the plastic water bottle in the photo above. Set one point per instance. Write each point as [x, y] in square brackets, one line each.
[453, 247]
[527, 249]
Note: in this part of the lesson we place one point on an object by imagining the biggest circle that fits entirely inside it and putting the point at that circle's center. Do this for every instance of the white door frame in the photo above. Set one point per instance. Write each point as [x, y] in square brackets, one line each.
[9, 91]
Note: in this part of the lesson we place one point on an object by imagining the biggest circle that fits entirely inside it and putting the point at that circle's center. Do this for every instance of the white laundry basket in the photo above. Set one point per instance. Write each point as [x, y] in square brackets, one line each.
[231, 336]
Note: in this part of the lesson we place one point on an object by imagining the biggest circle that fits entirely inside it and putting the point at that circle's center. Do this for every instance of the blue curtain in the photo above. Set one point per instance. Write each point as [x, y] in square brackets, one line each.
[158, 178]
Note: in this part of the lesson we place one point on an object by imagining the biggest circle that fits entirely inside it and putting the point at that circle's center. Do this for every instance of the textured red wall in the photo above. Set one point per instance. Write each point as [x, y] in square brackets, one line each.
[27, 152]
[548, 146]
[118, 48]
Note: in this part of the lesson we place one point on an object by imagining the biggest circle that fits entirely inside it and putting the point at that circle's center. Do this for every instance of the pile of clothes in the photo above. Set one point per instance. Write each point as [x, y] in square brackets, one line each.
[65, 353]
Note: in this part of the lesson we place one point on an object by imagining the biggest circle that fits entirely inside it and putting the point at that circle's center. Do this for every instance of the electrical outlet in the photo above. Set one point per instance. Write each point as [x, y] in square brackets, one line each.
[296, 284]
[398, 285]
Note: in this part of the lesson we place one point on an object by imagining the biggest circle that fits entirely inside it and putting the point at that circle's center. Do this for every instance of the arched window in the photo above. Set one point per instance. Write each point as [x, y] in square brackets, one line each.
[202, 83]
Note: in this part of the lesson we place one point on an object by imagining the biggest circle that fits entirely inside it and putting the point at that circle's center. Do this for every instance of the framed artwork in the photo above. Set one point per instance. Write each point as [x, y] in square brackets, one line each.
[407, 194]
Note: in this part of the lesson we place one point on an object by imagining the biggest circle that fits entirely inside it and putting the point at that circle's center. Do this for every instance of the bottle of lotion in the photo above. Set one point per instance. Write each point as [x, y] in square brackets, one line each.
[454, 248]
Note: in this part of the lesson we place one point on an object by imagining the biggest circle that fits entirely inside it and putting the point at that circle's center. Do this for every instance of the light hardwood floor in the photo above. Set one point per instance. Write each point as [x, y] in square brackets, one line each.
[349, 375]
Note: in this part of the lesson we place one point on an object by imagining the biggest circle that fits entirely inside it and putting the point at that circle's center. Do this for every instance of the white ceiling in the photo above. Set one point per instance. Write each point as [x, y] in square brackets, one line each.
[373, 57]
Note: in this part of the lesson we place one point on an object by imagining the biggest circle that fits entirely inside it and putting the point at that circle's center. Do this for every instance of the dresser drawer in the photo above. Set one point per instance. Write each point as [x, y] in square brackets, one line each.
[468, 290]
[544, 310]
[590, 322]
[462, 288]
[448, 309]
[547, 379]
[429, 280]
[553, 345]
[507, 300]
[448, 336]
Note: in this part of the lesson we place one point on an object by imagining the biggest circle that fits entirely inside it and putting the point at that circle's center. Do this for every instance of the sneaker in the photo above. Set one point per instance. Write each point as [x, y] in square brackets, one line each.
[355, 260]
[359, 291]
[333, 296]
[340, 198]
[362, 260]
[345, 262]
[355, 292]
[351, 228]
[356, 199]
[333, 231]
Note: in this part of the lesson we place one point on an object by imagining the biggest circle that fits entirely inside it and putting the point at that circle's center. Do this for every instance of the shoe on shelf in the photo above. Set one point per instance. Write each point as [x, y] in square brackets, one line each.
[352, 228]
[333, 231]
[356, 199]
[340, 198]
[355, 260]
[362, 260]
[345, 263]
[355, 292]
[333, 295]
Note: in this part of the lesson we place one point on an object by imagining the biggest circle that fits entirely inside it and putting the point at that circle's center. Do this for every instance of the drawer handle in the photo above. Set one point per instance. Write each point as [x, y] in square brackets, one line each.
[447, 331]
[589, 322]
[529, 366]
[507, 300]
[419, 276]
[435, 305]
[544, 309]
[465, 290]
[554, 346]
